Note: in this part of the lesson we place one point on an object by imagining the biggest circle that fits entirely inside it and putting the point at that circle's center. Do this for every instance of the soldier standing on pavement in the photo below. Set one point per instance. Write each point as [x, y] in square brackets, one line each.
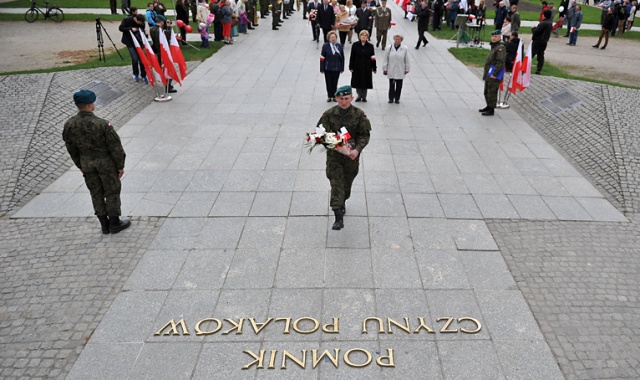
[341, 169]
[383, 23]
[493, 71]
[95, 148]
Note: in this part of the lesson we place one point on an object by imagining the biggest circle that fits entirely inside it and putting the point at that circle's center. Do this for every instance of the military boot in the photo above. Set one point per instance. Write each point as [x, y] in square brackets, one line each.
[116, 225]
[489, 112]
[104, 222]
[483, 109]
[339, 223]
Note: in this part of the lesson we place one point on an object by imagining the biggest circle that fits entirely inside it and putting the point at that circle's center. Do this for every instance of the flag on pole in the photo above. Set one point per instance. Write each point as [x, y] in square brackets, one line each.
[526, 70]
[167, 59]
[153, 60]
[516, 71]
[178, 58]
[143, 60]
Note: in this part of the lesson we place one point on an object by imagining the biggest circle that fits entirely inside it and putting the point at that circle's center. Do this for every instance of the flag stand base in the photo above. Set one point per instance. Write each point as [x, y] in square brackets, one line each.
[162, 98]
[502, 106]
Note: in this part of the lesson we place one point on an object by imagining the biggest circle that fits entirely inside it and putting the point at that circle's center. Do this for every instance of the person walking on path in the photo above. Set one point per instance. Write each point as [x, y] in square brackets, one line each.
[362, 64]
[132, 24]
[326, 18]
[576, 23]
[423, 24]
[332, 64]
[95, 148]
[493, 72]
[607, 25]
[395, 67]
[342, 169]
[383, 23]
[539, 38]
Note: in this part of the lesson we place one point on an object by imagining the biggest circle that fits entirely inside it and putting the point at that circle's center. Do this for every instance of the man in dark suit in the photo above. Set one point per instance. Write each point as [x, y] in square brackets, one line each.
[314, 6]
[326, 18]
[539, 37]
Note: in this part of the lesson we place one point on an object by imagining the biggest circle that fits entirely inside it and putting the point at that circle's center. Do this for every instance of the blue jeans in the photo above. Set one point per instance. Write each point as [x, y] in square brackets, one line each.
[573, 37]
[135, 62]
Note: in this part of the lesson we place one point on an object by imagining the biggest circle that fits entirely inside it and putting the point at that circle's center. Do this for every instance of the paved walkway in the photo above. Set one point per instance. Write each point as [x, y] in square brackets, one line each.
[246, 225]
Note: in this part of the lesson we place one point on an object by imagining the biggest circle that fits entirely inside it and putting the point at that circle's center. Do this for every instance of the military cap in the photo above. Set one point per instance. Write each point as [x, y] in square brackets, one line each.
[344, 90]
[84, 97]
[161, 18]
[496, 32]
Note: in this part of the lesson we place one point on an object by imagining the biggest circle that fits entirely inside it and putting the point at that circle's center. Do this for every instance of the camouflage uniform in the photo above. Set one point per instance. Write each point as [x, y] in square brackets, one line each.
[95, 148]
[496, 58]
[342, 170]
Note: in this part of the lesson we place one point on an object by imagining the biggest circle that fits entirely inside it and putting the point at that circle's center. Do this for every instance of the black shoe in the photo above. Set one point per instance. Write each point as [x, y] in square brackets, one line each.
[334, 100]
[250, 27]
[172, 90]
[285, 17]
[263, 16]
[116, 225]
[364, 100]
[378, 44]
[358, 99]
[339, 223]
[397, 101]
[329, 100]
[418, 47]
[489, 112]
[304, 18]
[602, 48]
[104, 222]
[595, 46]
[537, 72]
[483, 109]
[390, 100]
[425, 44]
[275, 28]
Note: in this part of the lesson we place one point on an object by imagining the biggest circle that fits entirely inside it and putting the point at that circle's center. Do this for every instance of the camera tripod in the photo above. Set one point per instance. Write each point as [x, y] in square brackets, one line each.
[99, 29]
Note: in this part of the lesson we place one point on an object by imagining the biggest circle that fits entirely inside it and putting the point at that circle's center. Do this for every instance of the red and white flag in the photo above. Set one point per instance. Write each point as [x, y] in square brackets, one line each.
[178, 58]
[143, 59]
[526, 70]
[167, 59]
[153, 60]
[516, 70]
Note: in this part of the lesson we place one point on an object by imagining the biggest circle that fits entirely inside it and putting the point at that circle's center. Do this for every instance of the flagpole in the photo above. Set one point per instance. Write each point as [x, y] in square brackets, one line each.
[503, 104]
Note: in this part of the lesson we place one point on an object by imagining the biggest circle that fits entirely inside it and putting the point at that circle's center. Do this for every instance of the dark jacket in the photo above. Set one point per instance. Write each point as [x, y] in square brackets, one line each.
[365, 19]
[501, 15]
[363, 63]
[330, 61]
[154, 33]
[542, 31]
[226, 13]
[182, 13]
[126, 25]
[609, 22]
[326, 18]
[512, 50]
[423, 18]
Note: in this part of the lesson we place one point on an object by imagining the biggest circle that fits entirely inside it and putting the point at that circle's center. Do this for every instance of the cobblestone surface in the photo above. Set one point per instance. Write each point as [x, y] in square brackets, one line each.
[33, 153]
[58, 278]
[581, 282]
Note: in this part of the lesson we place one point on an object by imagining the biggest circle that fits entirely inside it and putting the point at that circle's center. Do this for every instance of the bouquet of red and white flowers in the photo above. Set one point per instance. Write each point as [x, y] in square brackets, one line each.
[349, 21]
[330, 140]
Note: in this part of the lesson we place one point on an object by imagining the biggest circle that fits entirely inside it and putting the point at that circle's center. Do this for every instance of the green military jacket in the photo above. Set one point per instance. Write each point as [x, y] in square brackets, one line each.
[496, 58]
[89, 137]
[355, 120]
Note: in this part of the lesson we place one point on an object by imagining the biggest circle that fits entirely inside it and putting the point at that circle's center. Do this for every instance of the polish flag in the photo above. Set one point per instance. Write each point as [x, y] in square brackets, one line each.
[153, 60]
[143, 59]
[167, 59]
[178, 58]
[516, 71]
[526, 71]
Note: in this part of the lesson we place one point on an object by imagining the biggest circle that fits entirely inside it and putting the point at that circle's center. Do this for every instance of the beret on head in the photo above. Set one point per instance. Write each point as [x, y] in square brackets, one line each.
[161, 18]
[84, 97]
[344, 90]
[547, 14]
[496, 32]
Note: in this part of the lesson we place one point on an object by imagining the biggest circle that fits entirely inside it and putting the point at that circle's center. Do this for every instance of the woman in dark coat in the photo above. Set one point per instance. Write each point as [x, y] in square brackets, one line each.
[362, 64]
[182, 14]
[332, 64]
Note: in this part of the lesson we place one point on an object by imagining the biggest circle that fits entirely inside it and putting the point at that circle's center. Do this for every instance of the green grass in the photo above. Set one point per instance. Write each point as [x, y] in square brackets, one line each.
[72, 4]
[591, 15]
[67, 17]
[112, 59]
[476, 58]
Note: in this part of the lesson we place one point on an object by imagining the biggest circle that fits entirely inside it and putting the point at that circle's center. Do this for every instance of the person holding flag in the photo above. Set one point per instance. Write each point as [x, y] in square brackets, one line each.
[157, 32]
[133, 23]
[493, 72]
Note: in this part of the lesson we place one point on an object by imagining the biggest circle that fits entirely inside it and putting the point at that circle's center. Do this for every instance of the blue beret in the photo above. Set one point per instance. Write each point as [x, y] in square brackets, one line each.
[161, 18]
[84, 97]
[344, 90]
[496, 32]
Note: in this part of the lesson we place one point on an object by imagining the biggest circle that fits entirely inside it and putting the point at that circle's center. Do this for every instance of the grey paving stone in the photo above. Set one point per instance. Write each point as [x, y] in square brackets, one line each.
[166, 360]
[241, 303]
[517, 324]
[431, 234]
[220, 233]
[412, 183]
[204, 269]
[461, 206]
[305, 232]
[442, 269]
[470, 359]
[207, 180]
[106, 361]
[157, 270]
[531, 207]
[472, 235]
[291, 370]
[263, 232]
[455, 304]
[422, 205]
[481, 183]
[381, 182]
[345, 372]
[295, 304]
[409, 163]
[355, 233]
[278, 180]
[225, 360]
[478, 264]
[579, 187]
[156, 204]
[348, 268]
[194, 204]
[182, 227]
[172, 181]
[253, 268]
[601, 210]
[378, 162]
[495, 206]
[398, 304]
[514, 184]
[242, 180]
[566, 208]
[441, 164]
[548, 186]
[385, 204]
[305, 203]
[312, 180]
[187, 161]
[390, 233]
[301, 268]
[352, 306]
[395, 269]
[118, 326]
[271, 204]
[517, 358]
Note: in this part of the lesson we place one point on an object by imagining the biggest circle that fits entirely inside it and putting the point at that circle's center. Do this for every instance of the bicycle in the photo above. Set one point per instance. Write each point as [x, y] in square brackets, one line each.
[54, 12]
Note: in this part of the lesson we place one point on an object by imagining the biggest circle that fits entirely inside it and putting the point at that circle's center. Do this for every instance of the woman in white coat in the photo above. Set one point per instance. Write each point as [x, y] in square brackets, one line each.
[396, 66]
